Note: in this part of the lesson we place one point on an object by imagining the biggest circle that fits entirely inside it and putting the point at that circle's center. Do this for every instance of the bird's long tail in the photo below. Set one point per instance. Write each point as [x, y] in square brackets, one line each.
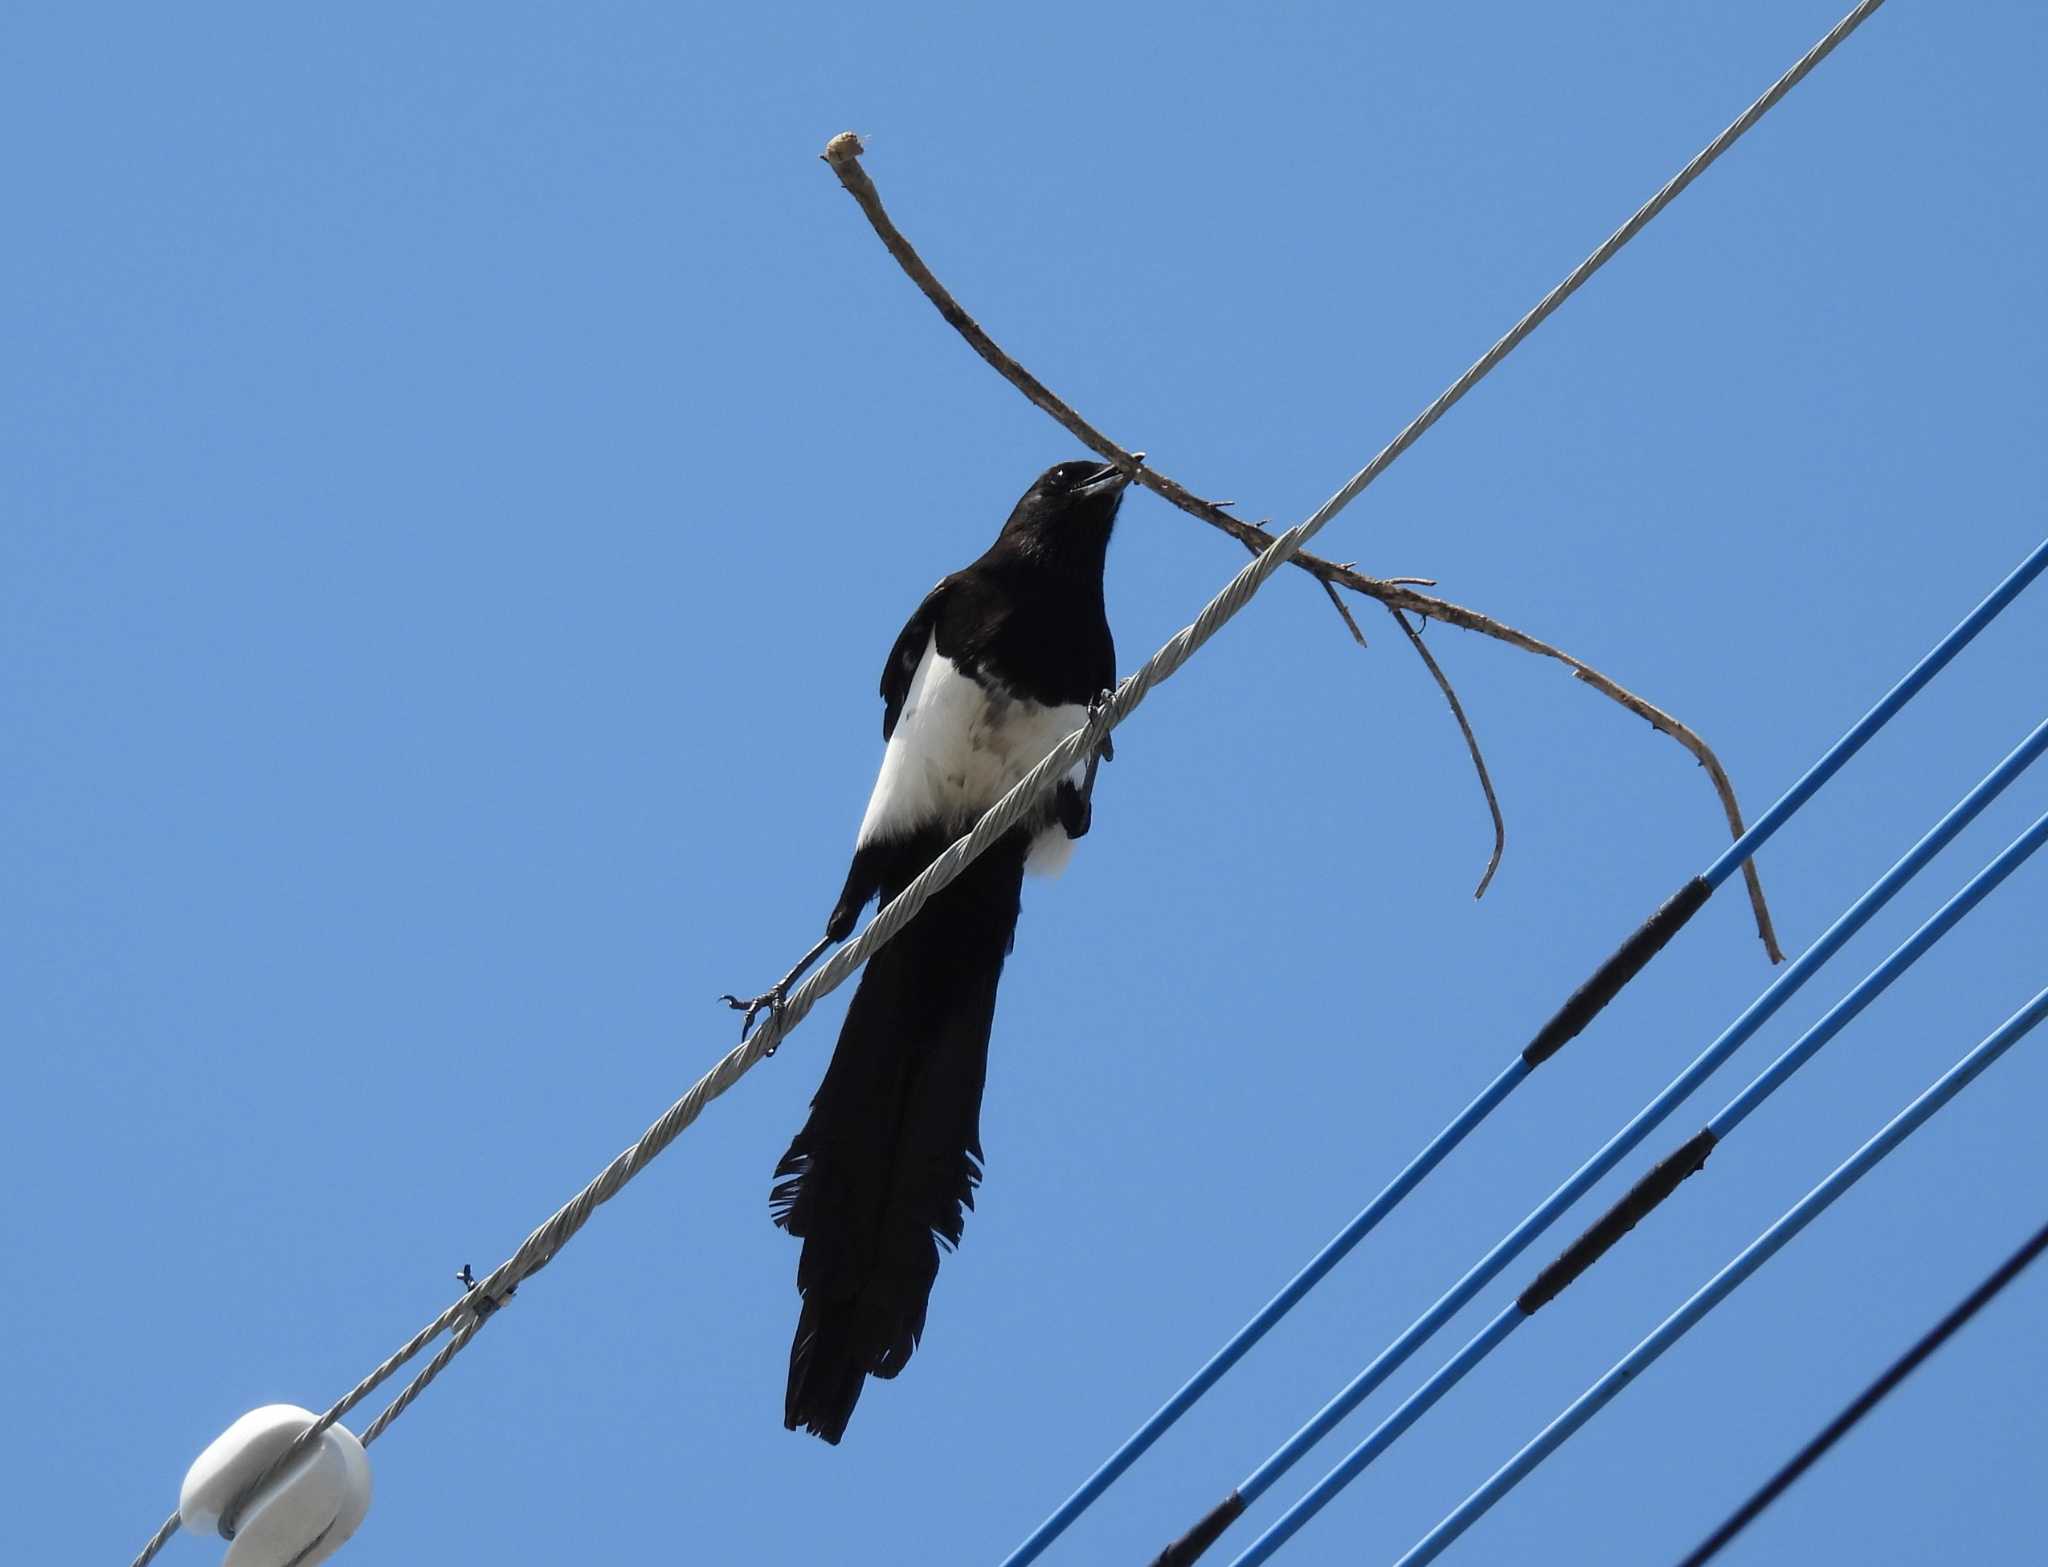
[885, 1167]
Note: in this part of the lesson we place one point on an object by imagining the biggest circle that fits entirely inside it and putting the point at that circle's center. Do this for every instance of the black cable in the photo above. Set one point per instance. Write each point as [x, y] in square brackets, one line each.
[1869, 1398]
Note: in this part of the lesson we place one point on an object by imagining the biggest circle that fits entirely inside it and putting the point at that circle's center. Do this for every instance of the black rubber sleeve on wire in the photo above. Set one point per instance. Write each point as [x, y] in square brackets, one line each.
[1627, 962]
[1204, 1534]
[1663, 1179]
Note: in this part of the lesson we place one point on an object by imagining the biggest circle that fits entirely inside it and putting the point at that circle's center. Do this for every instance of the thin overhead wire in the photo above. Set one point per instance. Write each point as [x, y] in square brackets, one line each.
[1724, 1283]
[1559, 1031]
[1653, 1189]
[545, 1242]
[1869, 1398]
[1752, 1018]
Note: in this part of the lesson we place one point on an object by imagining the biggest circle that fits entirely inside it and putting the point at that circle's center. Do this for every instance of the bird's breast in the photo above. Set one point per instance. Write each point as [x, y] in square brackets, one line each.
[961, 743]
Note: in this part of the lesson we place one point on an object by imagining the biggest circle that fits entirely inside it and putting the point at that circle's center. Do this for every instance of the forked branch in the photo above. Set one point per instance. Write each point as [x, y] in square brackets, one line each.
[843, 154]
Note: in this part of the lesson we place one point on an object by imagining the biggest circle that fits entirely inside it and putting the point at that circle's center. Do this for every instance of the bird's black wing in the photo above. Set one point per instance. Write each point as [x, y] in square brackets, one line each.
[906, 654]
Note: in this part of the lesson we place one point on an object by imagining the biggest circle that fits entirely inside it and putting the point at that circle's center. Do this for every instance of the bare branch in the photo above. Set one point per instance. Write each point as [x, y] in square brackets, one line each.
[1500, 829]
[842, 154]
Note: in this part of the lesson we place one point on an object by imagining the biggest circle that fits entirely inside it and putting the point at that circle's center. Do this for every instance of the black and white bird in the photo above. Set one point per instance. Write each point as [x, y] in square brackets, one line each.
[1001, 662]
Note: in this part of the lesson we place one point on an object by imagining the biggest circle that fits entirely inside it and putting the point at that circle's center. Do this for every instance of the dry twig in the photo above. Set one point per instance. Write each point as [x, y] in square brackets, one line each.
[843, 154]
[1343, 609]
[1500, 828]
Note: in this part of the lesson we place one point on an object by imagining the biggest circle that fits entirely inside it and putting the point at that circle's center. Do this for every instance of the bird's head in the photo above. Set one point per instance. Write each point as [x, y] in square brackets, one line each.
[1070, 509]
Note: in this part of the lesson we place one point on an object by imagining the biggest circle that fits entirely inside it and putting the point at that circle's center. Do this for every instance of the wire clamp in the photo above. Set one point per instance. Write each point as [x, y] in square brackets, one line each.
[483, 1305]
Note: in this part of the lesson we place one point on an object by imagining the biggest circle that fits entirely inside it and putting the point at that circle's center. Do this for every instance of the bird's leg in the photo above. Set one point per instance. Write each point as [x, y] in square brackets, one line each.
[1075, 805]
[771, 999]
[862, 883]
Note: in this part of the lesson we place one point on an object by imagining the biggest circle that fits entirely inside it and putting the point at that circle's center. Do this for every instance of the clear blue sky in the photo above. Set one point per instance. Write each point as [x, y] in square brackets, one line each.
[465, 465]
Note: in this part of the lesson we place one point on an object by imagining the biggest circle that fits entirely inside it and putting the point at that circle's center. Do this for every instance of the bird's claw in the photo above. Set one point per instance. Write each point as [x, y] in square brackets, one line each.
[770, 1001]
[1074, 804]
[1097, 706]
[776, 996]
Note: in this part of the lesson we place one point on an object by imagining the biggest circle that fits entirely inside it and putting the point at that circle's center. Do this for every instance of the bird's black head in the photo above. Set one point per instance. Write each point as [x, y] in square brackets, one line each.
[1068, 512]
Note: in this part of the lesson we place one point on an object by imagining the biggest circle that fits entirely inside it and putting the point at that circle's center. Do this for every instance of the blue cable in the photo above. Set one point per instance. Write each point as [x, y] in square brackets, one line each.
[1516, 1312]
[1646, 1120]
[1724, 1283]
[1495, 1092]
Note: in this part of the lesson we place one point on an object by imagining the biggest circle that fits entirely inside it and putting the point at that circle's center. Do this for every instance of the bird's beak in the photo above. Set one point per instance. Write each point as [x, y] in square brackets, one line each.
[1109, 480]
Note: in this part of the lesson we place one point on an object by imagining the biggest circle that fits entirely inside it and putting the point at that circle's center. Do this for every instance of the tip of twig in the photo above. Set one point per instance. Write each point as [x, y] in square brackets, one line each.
[843, 148]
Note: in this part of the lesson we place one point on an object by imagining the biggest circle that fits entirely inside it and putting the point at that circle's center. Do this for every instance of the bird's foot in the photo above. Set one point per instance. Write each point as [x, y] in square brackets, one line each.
[773, 999]
[770, 1001]
[1096, 708]
[1074, 804]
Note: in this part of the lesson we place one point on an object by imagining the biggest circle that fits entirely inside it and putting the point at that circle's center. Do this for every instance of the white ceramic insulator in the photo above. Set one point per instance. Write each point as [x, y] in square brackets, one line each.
[299, 1518]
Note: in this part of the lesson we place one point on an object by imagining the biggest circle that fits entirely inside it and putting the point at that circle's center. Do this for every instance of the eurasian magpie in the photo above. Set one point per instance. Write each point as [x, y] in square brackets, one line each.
[1000, 663]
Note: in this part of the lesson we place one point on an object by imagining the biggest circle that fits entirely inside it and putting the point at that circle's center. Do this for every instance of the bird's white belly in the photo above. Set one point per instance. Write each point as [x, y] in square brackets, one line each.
[958, 748]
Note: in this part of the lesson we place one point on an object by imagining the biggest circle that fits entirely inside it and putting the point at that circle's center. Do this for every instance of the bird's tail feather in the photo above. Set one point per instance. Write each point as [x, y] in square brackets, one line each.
[885, 1168]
